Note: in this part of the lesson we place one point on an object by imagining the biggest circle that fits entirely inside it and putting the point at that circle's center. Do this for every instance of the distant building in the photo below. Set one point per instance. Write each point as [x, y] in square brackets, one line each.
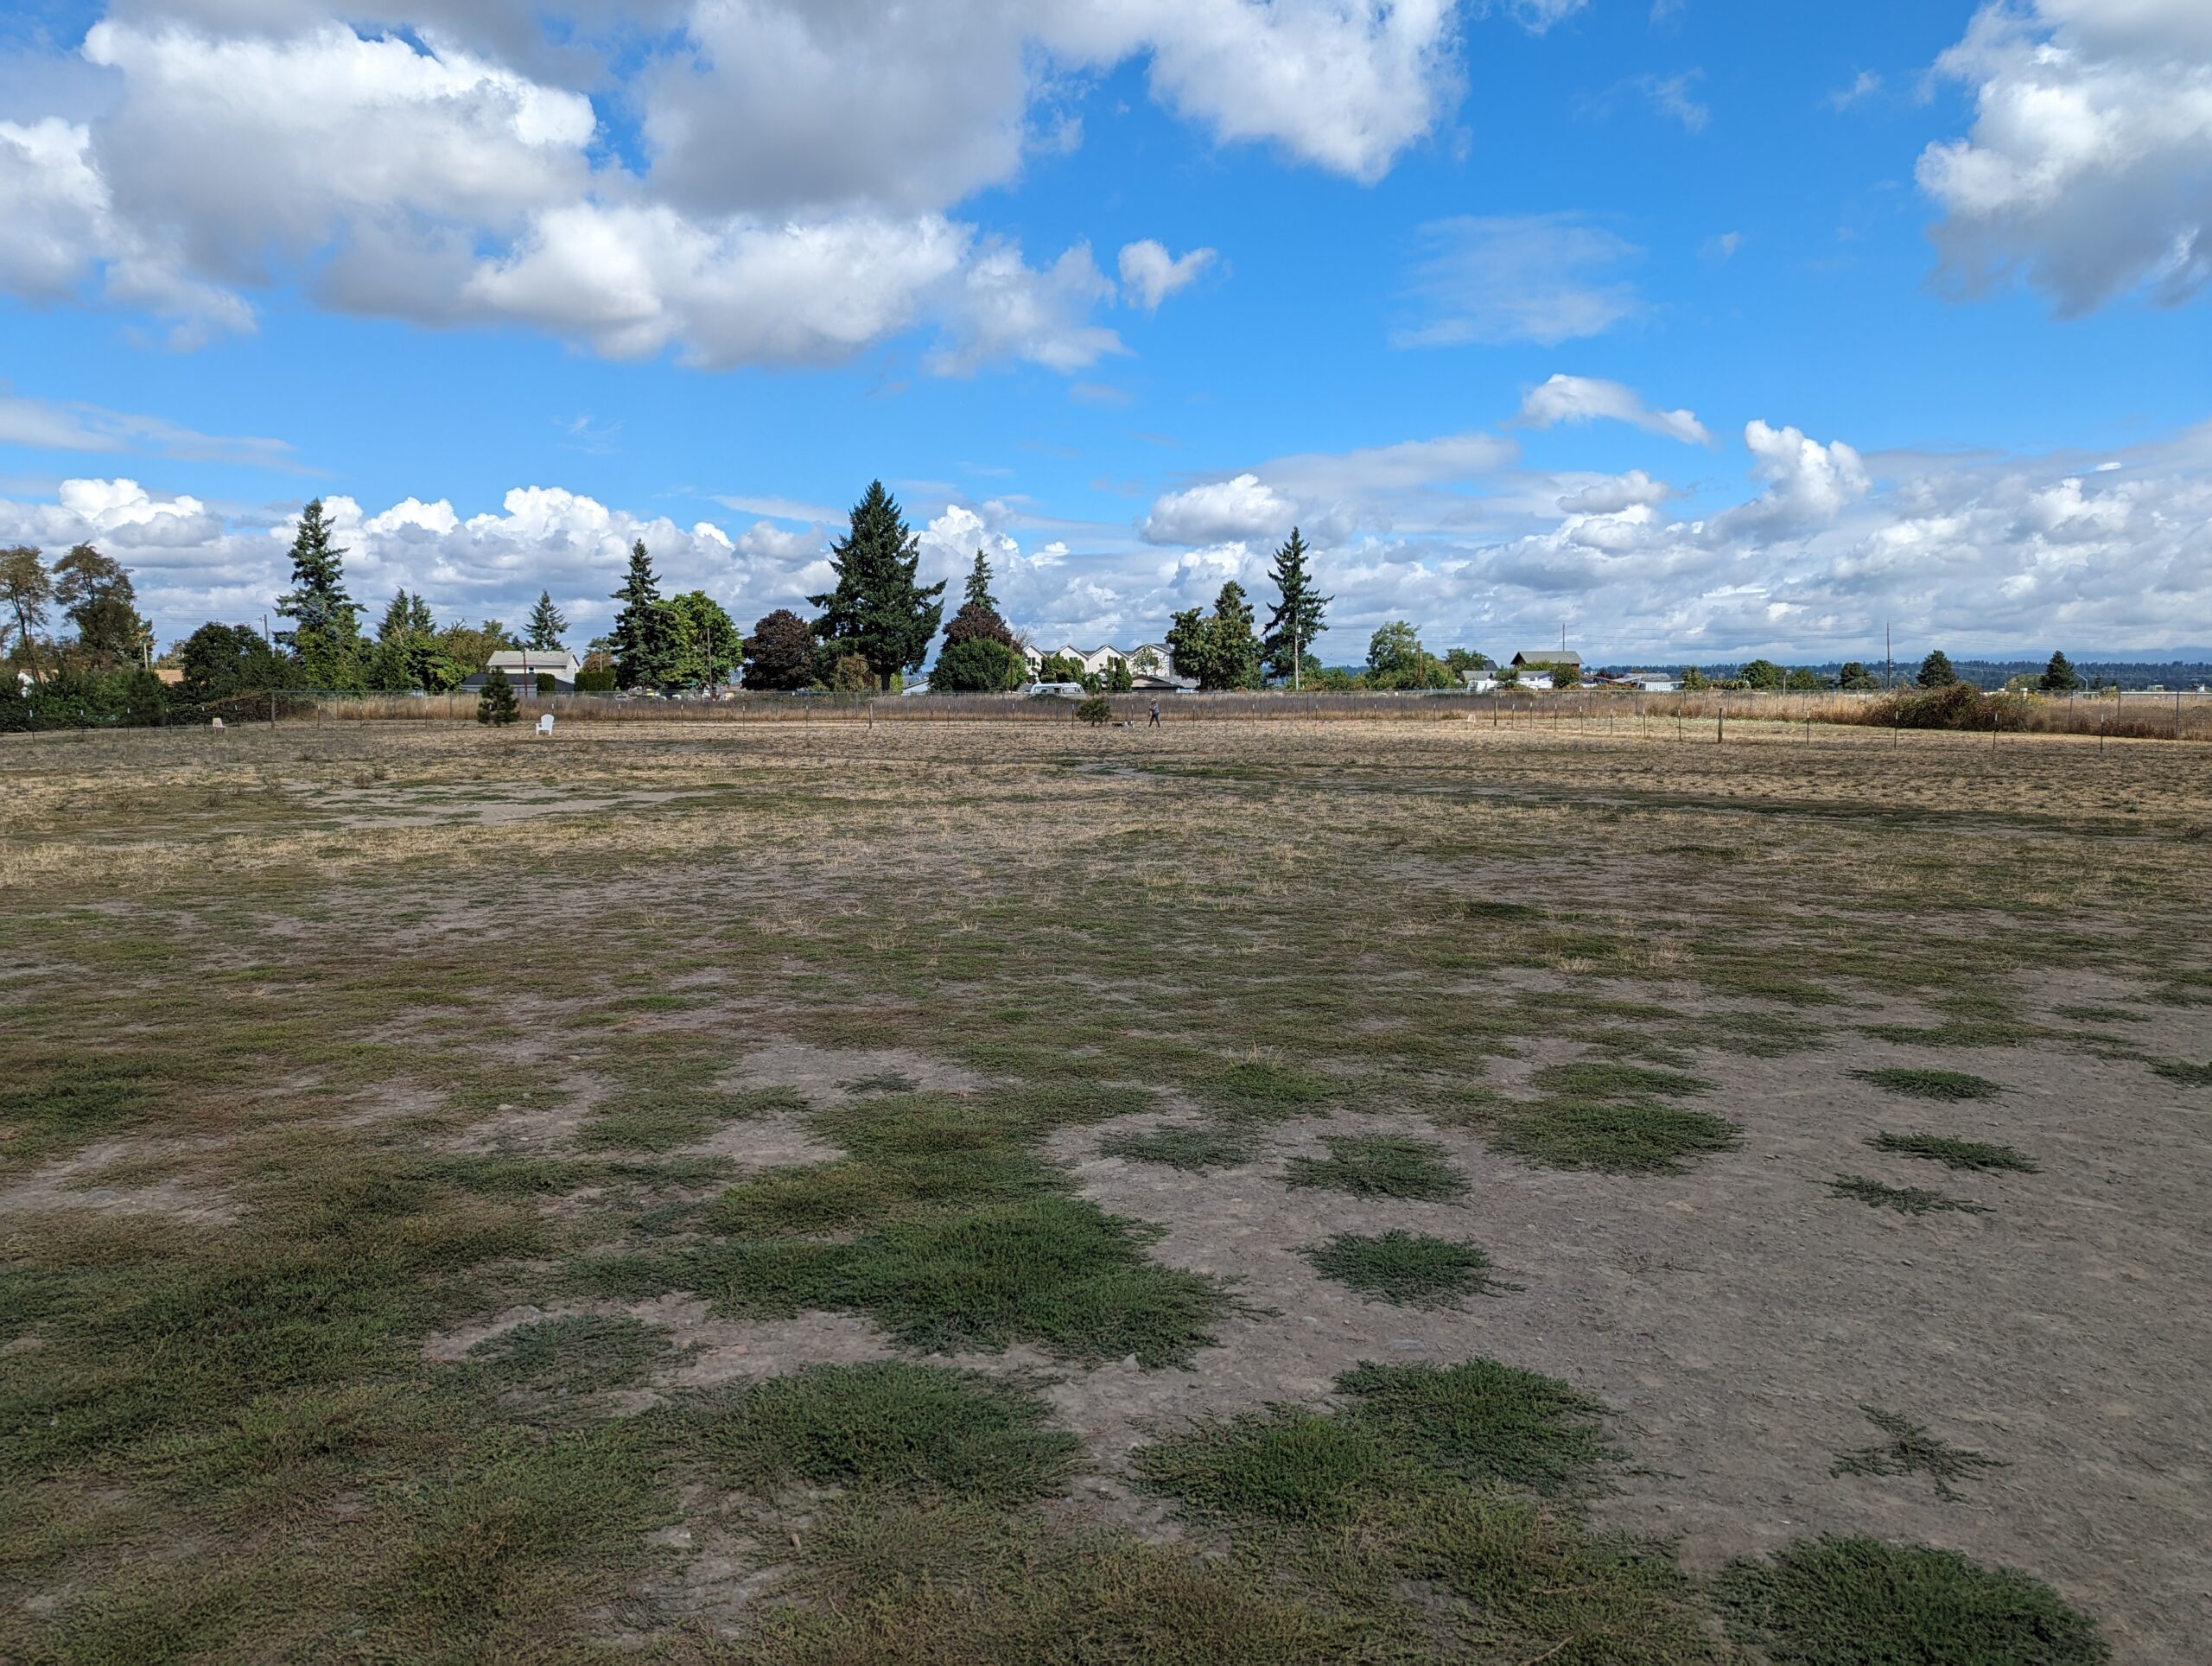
[524, 667]
[1148, 663]
[1544, 656]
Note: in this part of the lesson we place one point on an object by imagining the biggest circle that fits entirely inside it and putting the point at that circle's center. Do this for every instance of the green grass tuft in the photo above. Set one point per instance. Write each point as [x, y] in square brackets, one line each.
[1931, 1083]
[1406, 1268]
[1263, 1092]
[1911, 1450]
[1481, 1420]
[1836, 1601]
[1380, 1165]
[1610, 1137]
[889, 1081]
[2188, 1074]
[1954, 1153]
[1588, 1080]
[1285, 1465]
[580, 1354]
[1182, 1148]
[1905, 1199]
[891, 1428]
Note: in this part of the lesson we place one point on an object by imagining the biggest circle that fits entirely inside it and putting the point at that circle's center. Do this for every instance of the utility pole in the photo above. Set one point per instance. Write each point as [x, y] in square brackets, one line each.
[1889, 665]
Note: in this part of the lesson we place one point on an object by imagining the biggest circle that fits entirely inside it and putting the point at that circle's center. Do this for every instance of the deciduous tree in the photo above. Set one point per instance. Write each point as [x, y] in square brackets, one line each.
[707, 645]
[96, 593]
[779, 654]
[26, 589]
[1219, 649]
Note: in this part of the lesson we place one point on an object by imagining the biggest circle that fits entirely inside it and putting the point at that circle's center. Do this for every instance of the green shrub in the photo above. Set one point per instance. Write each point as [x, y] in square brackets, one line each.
[1095, 710]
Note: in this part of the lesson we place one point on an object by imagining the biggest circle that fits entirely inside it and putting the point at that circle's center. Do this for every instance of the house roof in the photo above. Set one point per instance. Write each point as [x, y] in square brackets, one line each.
[534, 658]
[1547, 656]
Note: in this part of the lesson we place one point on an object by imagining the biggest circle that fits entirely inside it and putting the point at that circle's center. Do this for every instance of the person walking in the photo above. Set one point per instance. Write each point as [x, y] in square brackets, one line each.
[1155, 715]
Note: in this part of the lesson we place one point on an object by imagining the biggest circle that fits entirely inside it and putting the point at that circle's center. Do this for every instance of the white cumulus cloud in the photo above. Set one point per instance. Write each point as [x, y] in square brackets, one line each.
[1584, 399]
[2089, 167]
[1150, 274]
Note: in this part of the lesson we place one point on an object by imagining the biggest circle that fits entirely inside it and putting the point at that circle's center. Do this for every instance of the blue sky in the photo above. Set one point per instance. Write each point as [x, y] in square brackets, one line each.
[1700, 329]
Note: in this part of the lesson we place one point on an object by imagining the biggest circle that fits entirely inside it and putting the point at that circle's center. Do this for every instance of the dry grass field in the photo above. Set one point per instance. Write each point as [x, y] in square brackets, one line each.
[1234, 1192]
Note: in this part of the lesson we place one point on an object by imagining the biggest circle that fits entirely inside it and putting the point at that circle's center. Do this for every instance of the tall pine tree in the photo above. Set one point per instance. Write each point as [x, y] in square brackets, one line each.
[325, 633]
[1297, 619]
[643, 640]
[978, 593]
[877, 611]
[546, 623]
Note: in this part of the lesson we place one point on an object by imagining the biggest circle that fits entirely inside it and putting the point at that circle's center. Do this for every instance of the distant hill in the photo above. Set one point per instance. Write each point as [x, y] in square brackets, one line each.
[2190, 668]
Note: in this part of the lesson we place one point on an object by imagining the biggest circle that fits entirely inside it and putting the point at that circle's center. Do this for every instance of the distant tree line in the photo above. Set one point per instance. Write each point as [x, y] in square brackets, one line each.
[1935, 671]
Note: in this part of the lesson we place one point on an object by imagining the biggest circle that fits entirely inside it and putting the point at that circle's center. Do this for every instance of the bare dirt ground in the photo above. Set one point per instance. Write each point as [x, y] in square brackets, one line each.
[458, 950]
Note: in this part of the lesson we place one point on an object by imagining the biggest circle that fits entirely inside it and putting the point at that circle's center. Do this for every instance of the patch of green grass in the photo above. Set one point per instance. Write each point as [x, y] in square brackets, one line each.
[1405, 1268]
[1284, 1465]
[1911, 1450]
[1183, 1147]
[1380, 1165]
[1956, 1032]
[91, 1095]
[1586, 1079]
[850, 1192]
[2188, 1074]
[946, 1584]
[889, 1081]
[1931, 1083]
[532, 1532]
[1263, 1092]
[891, 1428]
[1611, 1137]
[2104, 1014]
[582, 1353]
[1836, 1601]
[1905, 1199]
[1954, 1153]
[1055, 1271]
[1481, 1421]
[1537, 1586]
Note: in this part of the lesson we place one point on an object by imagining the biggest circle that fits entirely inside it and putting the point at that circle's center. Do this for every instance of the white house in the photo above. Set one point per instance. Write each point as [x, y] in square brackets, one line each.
[1146, 661]
[524, 667]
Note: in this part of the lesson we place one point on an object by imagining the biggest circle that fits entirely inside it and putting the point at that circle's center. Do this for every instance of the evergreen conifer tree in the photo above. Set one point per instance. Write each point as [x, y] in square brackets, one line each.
[547, 625]
[642, 641]
[978, 591]
[1935, 671]
[325, 633]
[2060, 676]
[497, 705]
[877, 611]
[1299, 617]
